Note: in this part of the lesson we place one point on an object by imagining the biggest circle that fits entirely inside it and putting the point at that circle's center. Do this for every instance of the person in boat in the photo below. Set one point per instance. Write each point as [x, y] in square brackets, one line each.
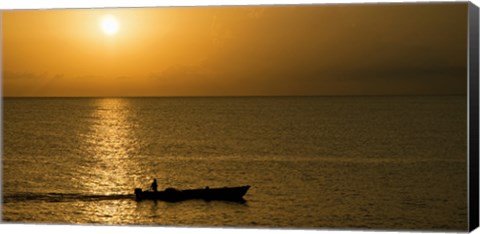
[154, 185]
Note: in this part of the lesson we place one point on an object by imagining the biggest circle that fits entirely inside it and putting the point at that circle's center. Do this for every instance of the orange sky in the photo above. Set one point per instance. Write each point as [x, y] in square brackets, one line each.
[209, 51]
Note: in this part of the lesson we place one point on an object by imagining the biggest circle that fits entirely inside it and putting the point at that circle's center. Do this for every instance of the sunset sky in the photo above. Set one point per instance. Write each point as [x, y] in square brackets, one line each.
[376, 49]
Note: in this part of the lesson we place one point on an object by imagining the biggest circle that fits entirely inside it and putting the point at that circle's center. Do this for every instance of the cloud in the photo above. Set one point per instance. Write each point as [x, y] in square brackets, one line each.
[22, 76]
[8, 75]
[28, 84]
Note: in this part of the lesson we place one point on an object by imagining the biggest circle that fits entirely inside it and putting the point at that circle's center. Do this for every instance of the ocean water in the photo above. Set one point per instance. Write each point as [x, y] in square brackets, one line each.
[313, 162]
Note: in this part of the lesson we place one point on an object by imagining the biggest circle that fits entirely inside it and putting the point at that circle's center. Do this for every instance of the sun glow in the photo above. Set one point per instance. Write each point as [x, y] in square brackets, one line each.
[110, 25]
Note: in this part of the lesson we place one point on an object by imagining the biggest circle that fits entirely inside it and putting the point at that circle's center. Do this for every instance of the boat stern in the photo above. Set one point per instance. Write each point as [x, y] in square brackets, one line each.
[138, 194]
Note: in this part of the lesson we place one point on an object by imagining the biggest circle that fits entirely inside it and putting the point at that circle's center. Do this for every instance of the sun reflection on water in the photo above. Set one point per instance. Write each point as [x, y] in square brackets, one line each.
[110, 168]
[111, 144]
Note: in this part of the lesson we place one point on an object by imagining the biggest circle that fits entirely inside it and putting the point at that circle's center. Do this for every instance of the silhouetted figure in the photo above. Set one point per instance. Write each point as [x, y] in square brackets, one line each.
[154, 185]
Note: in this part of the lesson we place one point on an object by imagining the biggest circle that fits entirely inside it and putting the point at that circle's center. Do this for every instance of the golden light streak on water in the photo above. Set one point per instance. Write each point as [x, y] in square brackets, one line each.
[115, 141]
[111, 143]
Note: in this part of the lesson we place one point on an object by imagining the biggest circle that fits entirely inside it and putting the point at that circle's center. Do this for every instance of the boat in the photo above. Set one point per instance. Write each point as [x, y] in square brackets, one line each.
[208, 194]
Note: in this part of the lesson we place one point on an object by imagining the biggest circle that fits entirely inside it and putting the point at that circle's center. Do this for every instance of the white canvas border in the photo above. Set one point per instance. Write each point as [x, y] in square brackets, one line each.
[74, 229]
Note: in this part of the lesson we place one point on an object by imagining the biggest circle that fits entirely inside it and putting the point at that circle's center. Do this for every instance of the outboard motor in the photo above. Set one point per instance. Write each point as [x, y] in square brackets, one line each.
[138, 194]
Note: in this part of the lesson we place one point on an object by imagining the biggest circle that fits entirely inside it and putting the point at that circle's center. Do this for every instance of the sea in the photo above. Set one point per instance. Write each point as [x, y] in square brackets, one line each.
[359, 162]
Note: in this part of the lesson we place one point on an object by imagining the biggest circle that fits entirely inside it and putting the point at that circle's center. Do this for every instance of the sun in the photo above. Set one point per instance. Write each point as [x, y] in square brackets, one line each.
[110, 25]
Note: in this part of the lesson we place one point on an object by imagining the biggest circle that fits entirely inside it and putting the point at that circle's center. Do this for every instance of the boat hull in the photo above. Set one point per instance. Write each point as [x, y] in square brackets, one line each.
[174, 195]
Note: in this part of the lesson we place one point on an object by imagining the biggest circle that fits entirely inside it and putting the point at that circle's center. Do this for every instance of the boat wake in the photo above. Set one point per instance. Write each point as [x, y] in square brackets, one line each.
[61, 197]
